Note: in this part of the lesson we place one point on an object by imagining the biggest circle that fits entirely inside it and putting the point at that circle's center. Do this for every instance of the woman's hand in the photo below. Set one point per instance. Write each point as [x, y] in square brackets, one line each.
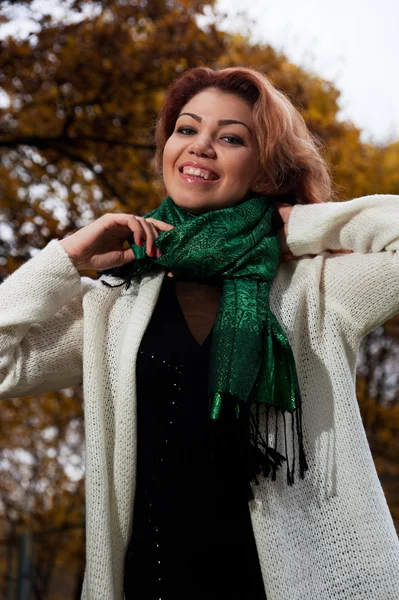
[285, 212]
[102, 244]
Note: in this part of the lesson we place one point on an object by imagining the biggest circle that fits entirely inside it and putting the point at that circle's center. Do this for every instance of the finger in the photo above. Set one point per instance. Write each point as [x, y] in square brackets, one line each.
[136, 228]
[122, 258]
[339, 251]
[160, 225]
[154, 249]
[149, 236]
[285, 256]
[283, 241]
[128, 221]
[112, 220]
[127, 256]
[155, 231]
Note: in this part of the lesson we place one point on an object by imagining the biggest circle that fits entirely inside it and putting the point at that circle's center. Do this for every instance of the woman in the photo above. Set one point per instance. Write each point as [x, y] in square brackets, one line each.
[231, 146]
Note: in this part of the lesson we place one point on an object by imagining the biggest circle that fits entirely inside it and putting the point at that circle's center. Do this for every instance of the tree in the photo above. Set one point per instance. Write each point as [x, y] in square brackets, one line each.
[377, 392]
[77, 138]
[76, 141]
[41, 466]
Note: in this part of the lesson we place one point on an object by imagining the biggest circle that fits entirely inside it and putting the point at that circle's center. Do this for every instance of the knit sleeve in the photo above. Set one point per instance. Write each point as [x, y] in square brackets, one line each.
[41, 325]
[362, 287]
[367, 224]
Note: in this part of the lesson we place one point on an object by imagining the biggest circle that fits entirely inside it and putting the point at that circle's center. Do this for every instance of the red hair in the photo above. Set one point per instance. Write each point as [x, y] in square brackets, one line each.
[289, 155]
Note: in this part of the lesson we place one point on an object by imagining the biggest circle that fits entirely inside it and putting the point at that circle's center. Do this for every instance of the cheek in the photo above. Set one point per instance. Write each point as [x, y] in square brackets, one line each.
[167, 156]
[171, 150]
[244, 172]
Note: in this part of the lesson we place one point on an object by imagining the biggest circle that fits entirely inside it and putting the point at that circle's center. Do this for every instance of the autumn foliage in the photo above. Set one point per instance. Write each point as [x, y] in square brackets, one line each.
[76, 140]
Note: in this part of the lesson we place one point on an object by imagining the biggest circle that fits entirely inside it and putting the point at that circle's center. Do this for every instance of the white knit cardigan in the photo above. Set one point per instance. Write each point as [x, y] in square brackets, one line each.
[328, 537]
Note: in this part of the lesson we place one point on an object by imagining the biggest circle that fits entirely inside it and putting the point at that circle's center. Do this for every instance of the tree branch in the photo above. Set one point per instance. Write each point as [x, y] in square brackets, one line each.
[99, 176]
[51, 142]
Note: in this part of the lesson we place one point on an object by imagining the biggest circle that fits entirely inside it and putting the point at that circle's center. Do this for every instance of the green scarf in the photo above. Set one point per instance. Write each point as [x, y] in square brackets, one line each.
[252, 364]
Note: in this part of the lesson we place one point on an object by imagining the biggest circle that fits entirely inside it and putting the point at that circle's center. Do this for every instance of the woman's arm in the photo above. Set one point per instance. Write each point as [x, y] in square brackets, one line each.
[41, 304]
[362, 289]
[41, 325]
[363, 286]
[366, 224]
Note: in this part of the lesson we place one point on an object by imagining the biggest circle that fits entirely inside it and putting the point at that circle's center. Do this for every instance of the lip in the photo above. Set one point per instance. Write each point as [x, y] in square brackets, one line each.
[197, 165]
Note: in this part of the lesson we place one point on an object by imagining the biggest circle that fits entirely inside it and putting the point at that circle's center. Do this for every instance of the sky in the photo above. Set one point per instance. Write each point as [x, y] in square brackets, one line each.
[354, 43]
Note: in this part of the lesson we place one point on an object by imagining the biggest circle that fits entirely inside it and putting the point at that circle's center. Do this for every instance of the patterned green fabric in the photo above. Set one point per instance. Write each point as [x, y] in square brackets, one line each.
[251, 359]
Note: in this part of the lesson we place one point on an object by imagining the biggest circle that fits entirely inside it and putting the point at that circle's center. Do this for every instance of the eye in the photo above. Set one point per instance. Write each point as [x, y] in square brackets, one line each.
[233, 140]
[186, 130]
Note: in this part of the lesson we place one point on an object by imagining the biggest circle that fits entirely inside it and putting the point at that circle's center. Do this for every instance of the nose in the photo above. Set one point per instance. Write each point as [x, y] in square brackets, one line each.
[202, 146]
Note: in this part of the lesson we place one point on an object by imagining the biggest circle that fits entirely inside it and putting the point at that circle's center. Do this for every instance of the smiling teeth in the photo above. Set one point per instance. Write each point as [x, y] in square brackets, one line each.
[197, 172]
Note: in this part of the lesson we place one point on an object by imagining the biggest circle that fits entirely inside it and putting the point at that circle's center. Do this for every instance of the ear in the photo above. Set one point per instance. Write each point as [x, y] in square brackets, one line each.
[260, 186]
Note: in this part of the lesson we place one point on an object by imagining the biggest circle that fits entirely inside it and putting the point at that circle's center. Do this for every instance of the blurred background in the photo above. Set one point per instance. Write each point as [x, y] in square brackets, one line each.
[81, 83]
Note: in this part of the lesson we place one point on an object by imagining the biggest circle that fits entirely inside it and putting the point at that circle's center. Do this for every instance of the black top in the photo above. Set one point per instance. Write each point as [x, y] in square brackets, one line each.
[192, 535]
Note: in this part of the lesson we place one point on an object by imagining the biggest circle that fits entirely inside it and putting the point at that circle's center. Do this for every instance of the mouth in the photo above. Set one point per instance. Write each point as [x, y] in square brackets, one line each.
[196, 173]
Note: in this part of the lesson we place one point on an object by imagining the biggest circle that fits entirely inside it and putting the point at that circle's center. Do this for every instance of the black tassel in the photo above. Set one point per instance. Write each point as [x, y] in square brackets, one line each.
[266, 459]
[303, 465]
[126, 272]
[293, 448]
[117, 284]
[241, 445]
[289, 472]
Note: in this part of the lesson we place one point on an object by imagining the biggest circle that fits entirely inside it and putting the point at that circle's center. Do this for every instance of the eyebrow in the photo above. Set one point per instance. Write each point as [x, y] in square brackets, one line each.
[220, 122]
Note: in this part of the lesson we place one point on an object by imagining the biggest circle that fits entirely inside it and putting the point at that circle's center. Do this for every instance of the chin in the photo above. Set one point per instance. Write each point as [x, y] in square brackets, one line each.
[196, 208]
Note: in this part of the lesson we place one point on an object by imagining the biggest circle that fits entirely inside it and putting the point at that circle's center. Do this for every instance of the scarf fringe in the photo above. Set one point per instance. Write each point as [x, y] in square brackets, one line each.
[265, 442]
[254, 442]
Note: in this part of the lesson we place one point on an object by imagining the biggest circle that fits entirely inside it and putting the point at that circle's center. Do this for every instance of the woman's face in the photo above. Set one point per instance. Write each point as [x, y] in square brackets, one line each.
[211, 159]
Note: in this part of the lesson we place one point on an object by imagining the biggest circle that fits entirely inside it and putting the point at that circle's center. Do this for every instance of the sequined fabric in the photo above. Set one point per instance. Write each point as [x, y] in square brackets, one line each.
[171, 555]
